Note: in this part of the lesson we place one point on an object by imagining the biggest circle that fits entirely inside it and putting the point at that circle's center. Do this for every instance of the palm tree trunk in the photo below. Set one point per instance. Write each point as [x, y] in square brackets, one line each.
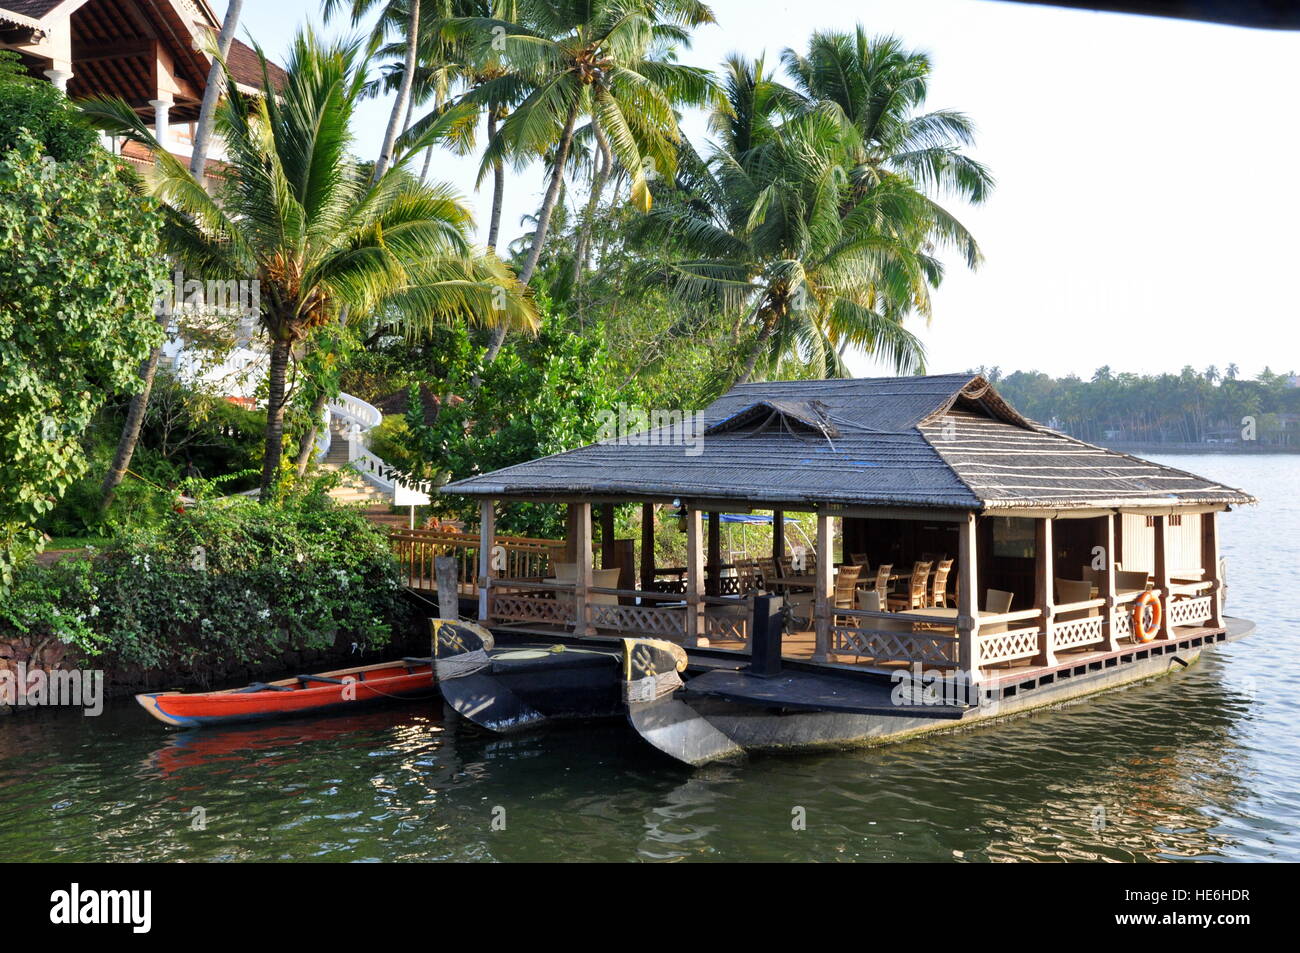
[403, 92]
[126, 444]
[583, 251]
[308, 441]
[216, 86]
[498, 185]
[552, 196]
[494, 233]
[275, 402]
[757, 351]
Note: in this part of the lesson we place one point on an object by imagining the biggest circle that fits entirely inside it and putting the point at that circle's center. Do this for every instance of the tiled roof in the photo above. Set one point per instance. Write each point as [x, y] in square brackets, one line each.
[937, 442]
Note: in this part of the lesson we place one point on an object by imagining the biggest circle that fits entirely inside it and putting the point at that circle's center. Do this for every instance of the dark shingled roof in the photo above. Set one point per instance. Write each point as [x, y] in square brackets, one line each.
[938, 442]
[32, 9]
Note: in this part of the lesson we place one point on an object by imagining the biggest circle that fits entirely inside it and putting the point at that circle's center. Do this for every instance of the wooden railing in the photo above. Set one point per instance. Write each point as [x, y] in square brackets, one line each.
[929, 640]
[514, 557]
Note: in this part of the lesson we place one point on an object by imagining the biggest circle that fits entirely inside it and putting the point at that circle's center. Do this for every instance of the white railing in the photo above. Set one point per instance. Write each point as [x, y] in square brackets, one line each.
[356, 418]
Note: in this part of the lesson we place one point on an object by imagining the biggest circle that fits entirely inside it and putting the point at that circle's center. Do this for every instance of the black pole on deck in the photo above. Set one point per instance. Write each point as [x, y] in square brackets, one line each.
[765, 639]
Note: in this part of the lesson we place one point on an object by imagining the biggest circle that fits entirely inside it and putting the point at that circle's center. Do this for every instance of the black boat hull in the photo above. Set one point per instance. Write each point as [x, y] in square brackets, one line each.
[724, 715]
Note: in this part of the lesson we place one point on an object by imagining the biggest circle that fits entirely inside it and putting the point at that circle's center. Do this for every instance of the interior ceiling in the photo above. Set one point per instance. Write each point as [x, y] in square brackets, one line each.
[113, 53]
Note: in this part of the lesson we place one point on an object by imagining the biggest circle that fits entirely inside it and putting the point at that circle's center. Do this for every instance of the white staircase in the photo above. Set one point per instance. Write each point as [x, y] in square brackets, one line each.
[343, 446]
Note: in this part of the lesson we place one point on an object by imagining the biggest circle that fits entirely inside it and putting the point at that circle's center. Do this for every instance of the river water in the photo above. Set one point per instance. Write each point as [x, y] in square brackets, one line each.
[1204, 765]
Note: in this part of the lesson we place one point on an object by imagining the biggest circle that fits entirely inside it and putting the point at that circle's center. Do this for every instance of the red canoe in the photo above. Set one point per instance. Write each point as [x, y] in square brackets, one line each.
[301, 695]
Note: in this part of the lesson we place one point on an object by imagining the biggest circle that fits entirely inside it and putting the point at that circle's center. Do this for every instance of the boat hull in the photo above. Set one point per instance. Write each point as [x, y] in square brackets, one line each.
[725, 715]
[282, 699]
[510, 688]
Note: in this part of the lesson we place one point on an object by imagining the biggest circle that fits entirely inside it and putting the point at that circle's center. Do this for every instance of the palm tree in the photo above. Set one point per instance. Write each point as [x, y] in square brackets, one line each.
[402, 15]
[298, 215]
[875, 87]
[595, 58]
[212, 93]
[773, 226]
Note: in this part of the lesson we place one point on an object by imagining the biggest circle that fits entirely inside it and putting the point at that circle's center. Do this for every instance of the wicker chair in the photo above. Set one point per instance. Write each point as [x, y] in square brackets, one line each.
[767, 568]
[846, 584]
[881, 585]
[917, 589]
[939, 585]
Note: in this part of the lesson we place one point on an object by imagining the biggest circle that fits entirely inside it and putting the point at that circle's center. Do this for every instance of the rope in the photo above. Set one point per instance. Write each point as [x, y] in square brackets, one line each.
[651, 687]
[458, 666]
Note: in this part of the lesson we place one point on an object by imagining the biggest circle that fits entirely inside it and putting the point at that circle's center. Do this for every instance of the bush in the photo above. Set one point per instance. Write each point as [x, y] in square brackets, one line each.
[44, 113]
[230, 580]
[79, 258]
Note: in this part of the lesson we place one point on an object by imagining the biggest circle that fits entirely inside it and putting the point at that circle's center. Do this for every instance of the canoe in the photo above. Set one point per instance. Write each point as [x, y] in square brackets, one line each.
[300, 695]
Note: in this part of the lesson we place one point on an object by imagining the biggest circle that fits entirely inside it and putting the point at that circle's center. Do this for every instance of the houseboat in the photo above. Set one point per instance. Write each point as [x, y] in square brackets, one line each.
[968, 564]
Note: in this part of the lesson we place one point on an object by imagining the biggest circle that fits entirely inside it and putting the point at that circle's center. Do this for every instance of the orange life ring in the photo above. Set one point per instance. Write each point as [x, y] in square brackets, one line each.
[1141, 631]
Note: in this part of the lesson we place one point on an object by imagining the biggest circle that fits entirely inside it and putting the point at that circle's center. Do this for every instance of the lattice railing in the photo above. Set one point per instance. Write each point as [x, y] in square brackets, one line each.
[643, 620]
[1191, 611]
[1086, 631]
[552, 606]
[1123, 623]
[1008, 646]
[933, 648]
[727, 620]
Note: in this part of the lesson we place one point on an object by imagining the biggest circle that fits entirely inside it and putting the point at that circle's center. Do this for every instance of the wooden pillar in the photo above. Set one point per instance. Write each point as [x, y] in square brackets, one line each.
[1044, 588]
[694, 578]
[825, 586]
[1161, 573]
[487, 533]
[647, 546]
[1106, 581]
[778, 534]
[968, 616]
[1210, 564]
[607, 556]
[581, 595]
[571, 535]
[713, 577]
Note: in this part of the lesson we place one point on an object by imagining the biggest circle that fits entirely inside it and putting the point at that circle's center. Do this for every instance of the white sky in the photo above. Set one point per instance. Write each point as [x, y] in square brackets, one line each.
[1147, 214]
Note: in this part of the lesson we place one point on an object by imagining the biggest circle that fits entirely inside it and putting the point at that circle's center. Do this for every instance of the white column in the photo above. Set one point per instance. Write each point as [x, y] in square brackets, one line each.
[161, 111]
[585, 579]
[59, 78]
[1045, 589]
[968, 617]
[694, 578]
[486, 540]
[825, 587]
[1210, 565]
[1107, 581]
[1161, 574]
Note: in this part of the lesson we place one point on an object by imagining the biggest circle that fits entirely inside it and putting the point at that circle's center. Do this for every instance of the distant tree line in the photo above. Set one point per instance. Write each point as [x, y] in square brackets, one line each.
[1209, 406]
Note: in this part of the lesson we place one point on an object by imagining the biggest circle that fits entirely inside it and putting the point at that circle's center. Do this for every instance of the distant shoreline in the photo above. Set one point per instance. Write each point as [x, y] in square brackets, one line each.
[1191, 448]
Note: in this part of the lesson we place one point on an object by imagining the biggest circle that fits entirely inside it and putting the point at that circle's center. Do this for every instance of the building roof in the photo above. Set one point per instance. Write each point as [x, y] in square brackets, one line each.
[114, 43]
[29, 10]
[946, 442]
[246, 67]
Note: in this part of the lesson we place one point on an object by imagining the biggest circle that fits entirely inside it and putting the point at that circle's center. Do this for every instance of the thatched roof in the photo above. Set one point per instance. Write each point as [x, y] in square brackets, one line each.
[946, 442]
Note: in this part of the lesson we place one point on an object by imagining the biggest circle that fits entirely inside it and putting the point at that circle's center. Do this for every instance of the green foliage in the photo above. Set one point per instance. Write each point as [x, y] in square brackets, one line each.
[270, 579]
[78, 263]
[541, 396]
[1188, 407]
[41, 112]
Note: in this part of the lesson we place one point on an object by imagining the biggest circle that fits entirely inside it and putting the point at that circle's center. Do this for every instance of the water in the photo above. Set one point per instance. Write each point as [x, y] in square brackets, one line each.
[1203, 765]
